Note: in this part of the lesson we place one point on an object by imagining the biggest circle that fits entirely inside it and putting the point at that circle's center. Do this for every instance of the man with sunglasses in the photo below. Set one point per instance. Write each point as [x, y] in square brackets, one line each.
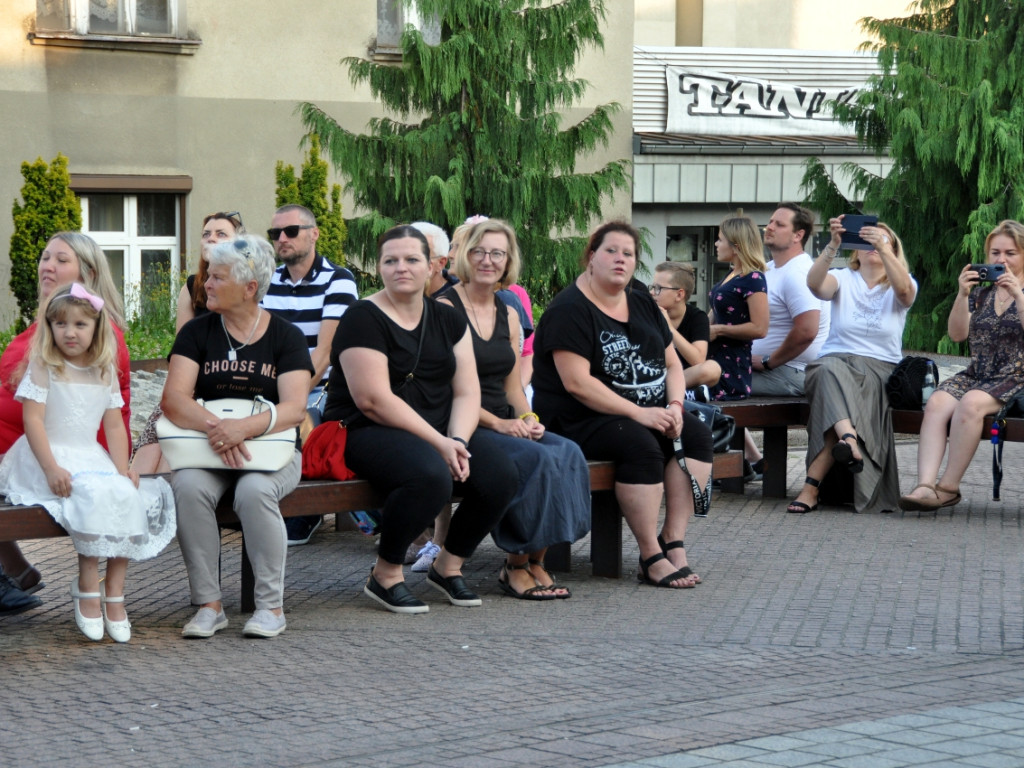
[312, 293]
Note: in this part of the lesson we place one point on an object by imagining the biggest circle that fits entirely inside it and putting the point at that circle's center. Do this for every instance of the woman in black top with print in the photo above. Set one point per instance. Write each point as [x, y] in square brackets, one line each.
[404, 381]
[607, 376]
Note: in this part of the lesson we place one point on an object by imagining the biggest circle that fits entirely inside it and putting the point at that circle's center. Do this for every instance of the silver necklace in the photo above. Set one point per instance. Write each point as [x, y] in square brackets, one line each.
[233, 350]
[469, 301]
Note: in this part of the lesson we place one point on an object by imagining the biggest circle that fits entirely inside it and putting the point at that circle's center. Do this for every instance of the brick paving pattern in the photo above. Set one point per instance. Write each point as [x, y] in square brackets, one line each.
[822, 639]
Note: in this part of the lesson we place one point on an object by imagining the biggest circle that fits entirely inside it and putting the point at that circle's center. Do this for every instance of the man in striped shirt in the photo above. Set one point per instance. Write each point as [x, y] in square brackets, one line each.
[312, 293]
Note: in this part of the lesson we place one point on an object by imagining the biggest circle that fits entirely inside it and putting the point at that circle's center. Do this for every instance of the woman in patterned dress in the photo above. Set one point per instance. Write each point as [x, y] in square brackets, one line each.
[991, 319]
[739, 306]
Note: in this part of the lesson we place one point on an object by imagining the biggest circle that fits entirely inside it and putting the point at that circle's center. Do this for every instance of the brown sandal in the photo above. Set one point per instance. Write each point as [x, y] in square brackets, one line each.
[914, 504]
[954, 496]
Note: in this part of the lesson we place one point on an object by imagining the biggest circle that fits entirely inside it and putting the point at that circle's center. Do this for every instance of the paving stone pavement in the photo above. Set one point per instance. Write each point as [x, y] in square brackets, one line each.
[823, 639]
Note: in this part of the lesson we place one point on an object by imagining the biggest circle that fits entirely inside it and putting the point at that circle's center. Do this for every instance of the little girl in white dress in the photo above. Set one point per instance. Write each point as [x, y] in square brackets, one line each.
[69, 388]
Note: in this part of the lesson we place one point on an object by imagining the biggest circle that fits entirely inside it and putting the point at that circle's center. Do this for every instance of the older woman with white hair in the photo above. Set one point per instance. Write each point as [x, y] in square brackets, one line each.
[237, 350]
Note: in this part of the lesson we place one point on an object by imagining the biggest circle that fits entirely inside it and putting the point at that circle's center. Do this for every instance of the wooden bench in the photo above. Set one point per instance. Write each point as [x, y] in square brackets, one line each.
[322, 497]
[776, 415]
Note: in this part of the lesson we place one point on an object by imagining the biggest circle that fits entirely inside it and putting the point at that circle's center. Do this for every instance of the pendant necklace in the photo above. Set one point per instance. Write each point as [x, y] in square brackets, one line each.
[479, 328]
[233, 350]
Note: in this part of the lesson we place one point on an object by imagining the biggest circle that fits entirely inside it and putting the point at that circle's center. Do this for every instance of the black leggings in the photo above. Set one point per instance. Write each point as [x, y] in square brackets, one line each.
[640, 454]
[418, 484]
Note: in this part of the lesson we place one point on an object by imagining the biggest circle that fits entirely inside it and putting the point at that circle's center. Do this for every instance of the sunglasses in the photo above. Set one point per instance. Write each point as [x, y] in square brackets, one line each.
[234, 217]
[292, 231]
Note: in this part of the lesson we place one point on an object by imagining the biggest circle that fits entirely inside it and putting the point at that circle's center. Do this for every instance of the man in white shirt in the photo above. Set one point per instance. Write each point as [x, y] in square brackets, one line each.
[799, 322]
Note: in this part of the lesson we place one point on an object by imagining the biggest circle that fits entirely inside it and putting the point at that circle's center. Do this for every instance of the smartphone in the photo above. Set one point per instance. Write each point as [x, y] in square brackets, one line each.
[989, 273]
[852, 222]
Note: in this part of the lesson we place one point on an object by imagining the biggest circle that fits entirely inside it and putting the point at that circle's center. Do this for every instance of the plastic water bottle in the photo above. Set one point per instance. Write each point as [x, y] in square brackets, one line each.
[928, 387]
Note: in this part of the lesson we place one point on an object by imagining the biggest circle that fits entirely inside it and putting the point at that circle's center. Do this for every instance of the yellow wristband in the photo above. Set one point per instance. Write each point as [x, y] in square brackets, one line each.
[528, 414]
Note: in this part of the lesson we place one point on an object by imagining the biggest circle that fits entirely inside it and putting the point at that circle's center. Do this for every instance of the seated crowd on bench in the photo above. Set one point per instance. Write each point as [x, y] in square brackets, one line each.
[427, 374]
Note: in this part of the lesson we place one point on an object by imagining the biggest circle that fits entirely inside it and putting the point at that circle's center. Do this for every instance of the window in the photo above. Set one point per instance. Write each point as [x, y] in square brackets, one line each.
[391, 20]
[140, 234]
[110, 17]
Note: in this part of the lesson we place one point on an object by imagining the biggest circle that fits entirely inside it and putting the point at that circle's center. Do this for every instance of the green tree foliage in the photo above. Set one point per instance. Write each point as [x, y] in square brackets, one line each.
[310, 189]
[49, 206]
[487, 136]
[949, 108]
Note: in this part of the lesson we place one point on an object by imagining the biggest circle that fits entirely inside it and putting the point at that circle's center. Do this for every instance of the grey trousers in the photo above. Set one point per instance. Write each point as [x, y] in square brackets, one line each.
[779, 382]
[196, 493]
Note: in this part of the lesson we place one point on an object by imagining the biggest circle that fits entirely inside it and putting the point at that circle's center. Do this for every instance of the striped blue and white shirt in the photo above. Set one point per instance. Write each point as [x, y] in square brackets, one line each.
[324, 293]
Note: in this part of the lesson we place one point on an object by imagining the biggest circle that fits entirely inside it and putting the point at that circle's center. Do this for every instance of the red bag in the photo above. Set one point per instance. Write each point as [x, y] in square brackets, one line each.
[323, 453]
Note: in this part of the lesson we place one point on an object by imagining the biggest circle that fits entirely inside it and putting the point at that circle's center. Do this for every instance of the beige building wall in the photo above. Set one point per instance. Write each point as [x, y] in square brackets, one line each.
[801, 24]
[224, 115]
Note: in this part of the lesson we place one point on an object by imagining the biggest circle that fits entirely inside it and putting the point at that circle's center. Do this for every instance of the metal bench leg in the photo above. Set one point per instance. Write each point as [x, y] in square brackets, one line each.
[248, 582]
[776, 453]
[606, 534]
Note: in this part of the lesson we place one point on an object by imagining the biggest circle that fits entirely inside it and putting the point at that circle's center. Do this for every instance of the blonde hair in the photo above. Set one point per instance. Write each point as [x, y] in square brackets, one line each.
[742, 234]
[102, 352]
[472, 239]
[680, 275]
[94, 273]
[897, 249]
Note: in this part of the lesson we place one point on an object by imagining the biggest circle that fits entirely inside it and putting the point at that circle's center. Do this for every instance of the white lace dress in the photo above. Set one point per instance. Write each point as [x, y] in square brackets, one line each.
[106, 515]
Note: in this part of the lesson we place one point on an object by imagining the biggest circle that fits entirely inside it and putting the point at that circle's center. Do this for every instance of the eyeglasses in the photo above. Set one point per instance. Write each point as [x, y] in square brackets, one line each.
[657, 289]
[496, 256]
[292, 231]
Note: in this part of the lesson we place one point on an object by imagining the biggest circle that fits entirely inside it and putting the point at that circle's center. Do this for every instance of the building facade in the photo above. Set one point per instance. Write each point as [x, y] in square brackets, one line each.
[172, 109]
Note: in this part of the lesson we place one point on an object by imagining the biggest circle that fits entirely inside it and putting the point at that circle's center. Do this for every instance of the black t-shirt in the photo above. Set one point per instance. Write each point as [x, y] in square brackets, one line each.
[429, 392]
[695, 326]
[629, 358]
[495, 358]
[280, 350]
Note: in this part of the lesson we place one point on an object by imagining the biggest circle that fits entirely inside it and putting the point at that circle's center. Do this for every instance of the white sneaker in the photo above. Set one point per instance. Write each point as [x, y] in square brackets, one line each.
[425, 557]
[205, 623]
[264, 623]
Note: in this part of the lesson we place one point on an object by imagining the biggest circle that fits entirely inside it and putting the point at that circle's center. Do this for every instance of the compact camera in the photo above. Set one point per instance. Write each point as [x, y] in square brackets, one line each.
[989, 273]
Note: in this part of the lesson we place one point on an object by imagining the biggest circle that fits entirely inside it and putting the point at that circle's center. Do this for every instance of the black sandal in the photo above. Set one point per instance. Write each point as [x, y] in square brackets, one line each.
[527, 594]
[798, 507]
[686, 570]
[554, 584]
[665, 581]
[843, 454]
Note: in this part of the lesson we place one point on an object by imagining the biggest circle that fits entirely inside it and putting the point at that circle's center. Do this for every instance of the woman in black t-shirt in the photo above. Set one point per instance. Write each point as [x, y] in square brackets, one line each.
[404, 381]
[607, 376]
[237, 350]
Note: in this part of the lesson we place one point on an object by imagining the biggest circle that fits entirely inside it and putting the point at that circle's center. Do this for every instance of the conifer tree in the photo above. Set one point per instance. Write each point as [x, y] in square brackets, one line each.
[49, 206]
[310, 189]
[948, 109]
[486, 134]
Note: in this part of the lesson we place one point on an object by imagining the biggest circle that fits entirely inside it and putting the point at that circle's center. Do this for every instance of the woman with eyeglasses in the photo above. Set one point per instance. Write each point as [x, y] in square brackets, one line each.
[237, 349]
[68, 257]
[217, 227]
[403, 380]
[850, 423]
[739, 306]
[606, 376]
[552, 502]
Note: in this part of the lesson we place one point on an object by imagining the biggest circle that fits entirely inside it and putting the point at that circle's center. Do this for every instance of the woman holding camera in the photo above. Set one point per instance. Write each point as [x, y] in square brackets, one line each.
[849, 422]
[991, 319]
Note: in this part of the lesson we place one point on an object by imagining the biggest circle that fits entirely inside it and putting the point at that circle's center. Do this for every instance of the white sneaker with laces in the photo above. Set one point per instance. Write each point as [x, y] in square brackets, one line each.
[425, 557]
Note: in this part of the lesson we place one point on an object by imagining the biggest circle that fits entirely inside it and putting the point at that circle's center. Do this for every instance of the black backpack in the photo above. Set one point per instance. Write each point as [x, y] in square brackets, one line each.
[907, 382]
[1013, 407]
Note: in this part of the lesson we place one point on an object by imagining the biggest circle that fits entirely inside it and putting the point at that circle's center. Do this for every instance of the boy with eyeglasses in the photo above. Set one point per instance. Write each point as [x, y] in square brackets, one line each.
[672, 288]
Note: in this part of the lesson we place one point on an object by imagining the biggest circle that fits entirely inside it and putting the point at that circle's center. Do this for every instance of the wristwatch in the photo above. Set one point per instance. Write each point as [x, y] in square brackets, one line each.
[764, 362]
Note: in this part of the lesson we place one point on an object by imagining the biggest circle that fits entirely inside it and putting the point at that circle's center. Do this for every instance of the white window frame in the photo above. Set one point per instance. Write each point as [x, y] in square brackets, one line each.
[406, 16]
[78, 13]
[133, 245]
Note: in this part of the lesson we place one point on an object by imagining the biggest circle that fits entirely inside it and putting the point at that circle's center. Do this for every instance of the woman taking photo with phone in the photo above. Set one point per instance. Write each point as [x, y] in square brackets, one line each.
[850, 423]
[991, 319]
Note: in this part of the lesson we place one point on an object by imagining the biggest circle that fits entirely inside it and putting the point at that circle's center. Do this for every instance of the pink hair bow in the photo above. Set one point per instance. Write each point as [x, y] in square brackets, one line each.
[476, 219]
[78, 291]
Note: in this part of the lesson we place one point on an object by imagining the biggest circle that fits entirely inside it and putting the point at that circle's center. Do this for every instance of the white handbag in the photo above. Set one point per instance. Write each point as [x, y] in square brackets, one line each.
[190, 448]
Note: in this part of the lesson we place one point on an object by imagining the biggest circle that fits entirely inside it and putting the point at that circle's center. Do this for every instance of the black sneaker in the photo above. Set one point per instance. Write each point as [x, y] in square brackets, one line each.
[301, 529]
[396, 598]
[454, 588]
[14, 600]
[757, 470]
